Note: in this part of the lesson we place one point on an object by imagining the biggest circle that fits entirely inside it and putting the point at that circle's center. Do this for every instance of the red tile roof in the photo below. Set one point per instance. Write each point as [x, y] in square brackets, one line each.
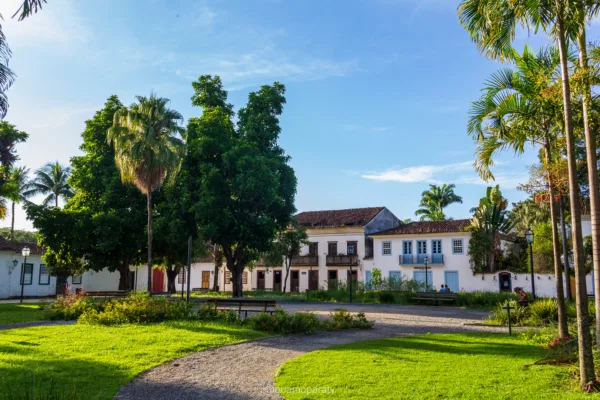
[428, 227]
[16, 247]
[338, 218]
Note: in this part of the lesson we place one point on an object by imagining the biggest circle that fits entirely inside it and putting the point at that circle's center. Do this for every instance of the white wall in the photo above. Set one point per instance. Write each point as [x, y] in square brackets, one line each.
[10, 277]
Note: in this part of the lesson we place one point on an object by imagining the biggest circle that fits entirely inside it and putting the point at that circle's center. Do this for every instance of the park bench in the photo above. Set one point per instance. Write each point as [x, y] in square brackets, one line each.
[244, 305]
[436, 297]
[202, 290]
[107, 293]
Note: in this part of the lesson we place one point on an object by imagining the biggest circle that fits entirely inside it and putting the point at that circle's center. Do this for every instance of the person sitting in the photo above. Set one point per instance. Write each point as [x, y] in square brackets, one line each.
[523, 300]
[448, 289]
[442, 289]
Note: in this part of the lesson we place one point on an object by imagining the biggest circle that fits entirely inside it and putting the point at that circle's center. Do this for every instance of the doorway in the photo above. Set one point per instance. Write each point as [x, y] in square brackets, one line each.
[260, 280]
[505, 281]
[132, 281]
[332, 279]
[277, 281]
[354, 275]
[158, 280]
[205, 280]
[295, 281]
[313, 280]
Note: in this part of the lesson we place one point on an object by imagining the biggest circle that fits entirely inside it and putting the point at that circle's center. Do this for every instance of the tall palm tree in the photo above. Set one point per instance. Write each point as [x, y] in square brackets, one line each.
[146, 149]
[514, 110]
[434, 200]
[51, 180]
[492, 217]
[21, 186]
[492, 25]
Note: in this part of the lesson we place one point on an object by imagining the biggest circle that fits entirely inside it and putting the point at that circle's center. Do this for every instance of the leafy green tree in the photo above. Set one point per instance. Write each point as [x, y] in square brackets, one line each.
[245, 188]
[286, 246]
[492, 25]
[19, 236]
[10, 136]
[147, 150]
[376, 278]
[528, 213]
[434, 200]
[51, 180]
[19, 180]
[543, 248]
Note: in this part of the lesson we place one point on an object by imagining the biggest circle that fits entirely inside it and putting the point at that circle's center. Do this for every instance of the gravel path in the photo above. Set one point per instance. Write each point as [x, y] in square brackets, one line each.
[245, 371]
[34, 323]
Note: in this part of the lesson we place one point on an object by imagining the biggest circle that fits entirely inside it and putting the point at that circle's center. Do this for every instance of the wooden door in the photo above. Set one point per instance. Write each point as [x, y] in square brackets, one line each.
[313, 280]
[205, 279]
[295, 281]
[260, 280]
[277, 281]
[158, 280]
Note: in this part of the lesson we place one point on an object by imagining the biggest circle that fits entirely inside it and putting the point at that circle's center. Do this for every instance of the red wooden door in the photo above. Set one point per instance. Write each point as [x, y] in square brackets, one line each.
[158, 280]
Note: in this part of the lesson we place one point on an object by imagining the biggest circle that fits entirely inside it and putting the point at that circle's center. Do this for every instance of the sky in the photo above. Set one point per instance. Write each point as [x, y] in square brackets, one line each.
[378, 91]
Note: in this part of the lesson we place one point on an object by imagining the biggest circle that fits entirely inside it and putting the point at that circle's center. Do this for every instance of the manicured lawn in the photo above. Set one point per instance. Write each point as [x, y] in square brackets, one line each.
[14, 313]
[449, 366]
[95, 361]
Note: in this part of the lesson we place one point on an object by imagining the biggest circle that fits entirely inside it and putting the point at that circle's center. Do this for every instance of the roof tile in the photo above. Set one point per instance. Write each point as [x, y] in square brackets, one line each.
[428, 227]
[338, 218]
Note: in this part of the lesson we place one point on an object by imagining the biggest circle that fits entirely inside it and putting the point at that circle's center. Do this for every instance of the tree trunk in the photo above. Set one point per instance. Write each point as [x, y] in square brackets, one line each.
[288, 265]
[12, 225]
[149, 197]
[584, 338]
[56, 200]
[236, 279]
[592, 164]
[123, 269]
[565, 249]
[172, 273]
[563, 328]
[493, 252]
[216, 279]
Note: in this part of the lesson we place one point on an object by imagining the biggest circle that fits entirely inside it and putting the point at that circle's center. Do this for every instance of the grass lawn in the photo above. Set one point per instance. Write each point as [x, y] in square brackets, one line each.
[14, 313]
[449, 366]
[95, 361]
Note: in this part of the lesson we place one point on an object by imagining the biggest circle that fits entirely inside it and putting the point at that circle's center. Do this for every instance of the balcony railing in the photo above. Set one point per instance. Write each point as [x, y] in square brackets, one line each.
[305, 260]
[419, 259]
[341, 260]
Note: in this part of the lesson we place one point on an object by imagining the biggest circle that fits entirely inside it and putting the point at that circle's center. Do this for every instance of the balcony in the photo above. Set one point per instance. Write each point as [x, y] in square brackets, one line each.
[307, 261]
[419, 259]
[341, 260]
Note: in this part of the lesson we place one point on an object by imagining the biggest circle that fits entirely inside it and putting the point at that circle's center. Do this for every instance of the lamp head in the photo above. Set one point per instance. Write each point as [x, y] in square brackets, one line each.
[15, 262]
[26, 251]
[530, 236]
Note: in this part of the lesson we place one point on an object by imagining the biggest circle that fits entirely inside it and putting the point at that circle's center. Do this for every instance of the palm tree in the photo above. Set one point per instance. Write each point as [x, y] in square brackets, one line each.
[434, 200]
[51, 180]
[19, 179]
[514, 110]
[146, 150]
[492, 25]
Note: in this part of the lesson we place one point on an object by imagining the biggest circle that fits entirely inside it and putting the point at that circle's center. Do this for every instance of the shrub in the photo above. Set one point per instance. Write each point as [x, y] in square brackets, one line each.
[70, 307]
[137, 308]
[481, 299]
[543, 311]
[341, 319]
[386, 297]
[370, 297]
[210, 313]
[518, 315]
[282, 322]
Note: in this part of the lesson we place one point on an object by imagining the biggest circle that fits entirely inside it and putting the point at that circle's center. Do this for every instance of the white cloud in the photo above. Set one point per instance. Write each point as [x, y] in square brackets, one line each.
[458, 173]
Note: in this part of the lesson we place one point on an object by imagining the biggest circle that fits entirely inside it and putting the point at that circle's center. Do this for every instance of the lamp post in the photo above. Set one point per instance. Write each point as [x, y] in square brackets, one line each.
[426, 280]
[351, 252]
[530, 236]
[25, 252]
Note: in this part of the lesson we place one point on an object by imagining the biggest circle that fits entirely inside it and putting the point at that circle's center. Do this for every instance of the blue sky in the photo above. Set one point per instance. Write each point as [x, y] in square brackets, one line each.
[377, 90]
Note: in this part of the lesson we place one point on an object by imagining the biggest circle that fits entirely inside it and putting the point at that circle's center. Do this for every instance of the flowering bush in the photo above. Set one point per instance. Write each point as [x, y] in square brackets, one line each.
[341, 319]
[559, 342]
[282, 322]
[71, 306]
[137, 308]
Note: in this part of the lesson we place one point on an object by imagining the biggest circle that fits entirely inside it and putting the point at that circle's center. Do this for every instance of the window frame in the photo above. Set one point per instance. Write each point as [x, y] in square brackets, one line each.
[24, 274]
[329, 248]
[182, 275]
[383, 243]
[80, 280]
[40, 282]
[462, 246]
[433, 241]
[424, 243]
[404, 243]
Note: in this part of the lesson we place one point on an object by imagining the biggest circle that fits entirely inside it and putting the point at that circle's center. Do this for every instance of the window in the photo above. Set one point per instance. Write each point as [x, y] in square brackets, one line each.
[313, 248]
[421, 247]
[351, 248]
[44, 275]
[245, 277]
[76, 280]
[181, 276]
[386, 248]
[332, 248]
[436, 247]
[406, 247]
[27, 275]
[457, 246]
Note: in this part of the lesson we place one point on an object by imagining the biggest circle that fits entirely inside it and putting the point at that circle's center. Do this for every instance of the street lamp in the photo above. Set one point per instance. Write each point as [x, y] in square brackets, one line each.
[351, 251]
[426, 280]
[530, 237]
[25, 252]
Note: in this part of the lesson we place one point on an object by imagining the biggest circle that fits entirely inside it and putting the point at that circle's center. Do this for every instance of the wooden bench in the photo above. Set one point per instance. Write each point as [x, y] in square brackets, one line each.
[437, 297]
[244, 305]
[107, 293]
[202, 290]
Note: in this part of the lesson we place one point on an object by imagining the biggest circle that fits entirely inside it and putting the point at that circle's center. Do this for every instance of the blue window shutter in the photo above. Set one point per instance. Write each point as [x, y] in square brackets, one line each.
[451, 278]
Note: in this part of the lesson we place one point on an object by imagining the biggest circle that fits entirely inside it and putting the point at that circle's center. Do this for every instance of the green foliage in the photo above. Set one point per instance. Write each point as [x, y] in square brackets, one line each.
[20, 235]
[51, 180]
[376, 278]
[38, 389]
[484, 300]
[543, 248]
[245, 189]
[70, 307]
[284, 323]
[14, 313]
[434, 200]
[385, 297]
[10, 136]
[286, 246]
[341, 319]
[479, 251]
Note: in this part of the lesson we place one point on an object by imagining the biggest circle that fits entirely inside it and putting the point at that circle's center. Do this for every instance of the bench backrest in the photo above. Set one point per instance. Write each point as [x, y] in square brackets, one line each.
[435, 294]
[243, 302]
